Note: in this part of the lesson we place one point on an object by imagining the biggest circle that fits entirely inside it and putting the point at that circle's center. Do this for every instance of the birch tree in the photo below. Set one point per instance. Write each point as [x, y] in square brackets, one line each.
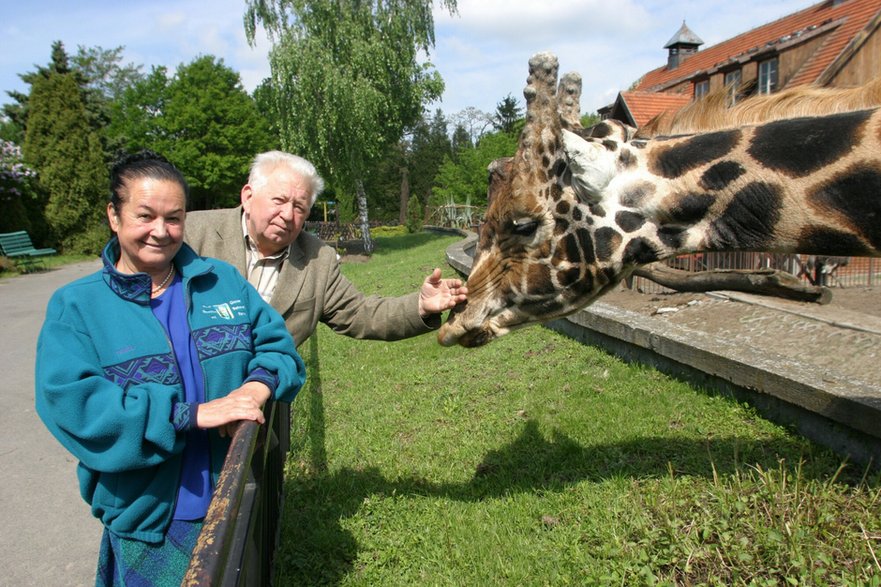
[348, 76]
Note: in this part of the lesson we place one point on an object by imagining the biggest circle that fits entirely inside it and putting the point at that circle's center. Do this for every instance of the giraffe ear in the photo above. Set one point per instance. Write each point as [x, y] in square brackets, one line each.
[591, 165]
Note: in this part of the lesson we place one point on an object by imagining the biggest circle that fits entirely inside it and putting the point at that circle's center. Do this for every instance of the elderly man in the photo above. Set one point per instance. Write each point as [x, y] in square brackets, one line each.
[298, 274]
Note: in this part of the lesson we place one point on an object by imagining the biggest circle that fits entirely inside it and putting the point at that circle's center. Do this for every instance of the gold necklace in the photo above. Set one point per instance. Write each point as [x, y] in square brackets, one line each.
[164, 281]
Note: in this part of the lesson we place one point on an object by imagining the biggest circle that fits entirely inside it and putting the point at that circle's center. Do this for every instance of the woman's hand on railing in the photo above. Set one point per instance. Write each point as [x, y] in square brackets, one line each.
[244, 403]
[260, 392]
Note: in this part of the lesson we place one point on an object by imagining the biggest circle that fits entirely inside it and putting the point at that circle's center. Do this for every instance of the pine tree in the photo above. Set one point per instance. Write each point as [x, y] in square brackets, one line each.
[508, 112]
[66, 151]
[17, 111]
[430, 146]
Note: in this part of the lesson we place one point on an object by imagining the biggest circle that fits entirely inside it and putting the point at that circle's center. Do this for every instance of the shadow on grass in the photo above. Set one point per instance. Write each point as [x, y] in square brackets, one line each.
[317, 549]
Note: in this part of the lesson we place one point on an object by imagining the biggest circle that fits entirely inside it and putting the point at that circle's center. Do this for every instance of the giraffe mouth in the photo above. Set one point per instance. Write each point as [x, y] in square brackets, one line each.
[453, 331]
[465, 328]
[452, 334]
[460, 328]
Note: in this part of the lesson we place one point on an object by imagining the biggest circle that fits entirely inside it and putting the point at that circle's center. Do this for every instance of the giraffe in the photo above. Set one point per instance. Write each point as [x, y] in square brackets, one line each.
[577, 210]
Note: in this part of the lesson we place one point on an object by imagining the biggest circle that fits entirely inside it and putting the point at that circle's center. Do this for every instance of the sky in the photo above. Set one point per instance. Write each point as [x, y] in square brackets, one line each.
[482, 52]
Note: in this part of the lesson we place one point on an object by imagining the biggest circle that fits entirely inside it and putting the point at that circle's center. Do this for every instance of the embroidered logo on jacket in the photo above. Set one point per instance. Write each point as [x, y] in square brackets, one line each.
[225, 311]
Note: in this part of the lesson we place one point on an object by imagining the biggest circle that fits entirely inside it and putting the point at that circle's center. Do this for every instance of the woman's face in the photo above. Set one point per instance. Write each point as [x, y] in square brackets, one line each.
[149, 224]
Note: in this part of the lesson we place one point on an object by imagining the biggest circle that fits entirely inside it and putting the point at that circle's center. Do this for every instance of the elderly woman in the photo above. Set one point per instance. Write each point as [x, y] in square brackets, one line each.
[145, 366]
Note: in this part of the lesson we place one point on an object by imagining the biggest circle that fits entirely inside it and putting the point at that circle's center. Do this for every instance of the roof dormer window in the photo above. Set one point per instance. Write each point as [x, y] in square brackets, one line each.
[768, 76]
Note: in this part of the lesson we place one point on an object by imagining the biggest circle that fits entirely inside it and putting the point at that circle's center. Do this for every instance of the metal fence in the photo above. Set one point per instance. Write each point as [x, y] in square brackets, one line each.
[240, 532]
[814, 269]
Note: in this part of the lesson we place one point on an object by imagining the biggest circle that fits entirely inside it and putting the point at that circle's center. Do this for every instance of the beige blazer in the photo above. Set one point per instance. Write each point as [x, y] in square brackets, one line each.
[310, 286]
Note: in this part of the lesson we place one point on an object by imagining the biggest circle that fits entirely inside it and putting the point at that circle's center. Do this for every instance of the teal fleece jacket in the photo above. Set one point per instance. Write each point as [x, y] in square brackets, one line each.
[108, 387]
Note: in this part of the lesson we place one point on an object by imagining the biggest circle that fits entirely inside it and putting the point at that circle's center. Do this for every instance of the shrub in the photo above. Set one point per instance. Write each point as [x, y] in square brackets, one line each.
[387, 231]
[414, 214]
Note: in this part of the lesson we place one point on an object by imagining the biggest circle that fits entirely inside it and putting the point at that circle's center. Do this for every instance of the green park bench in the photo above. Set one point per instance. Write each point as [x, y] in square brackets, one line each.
[18, 247]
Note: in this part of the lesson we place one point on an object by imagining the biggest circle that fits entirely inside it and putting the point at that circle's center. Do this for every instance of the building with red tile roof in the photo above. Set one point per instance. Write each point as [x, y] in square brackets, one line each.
[831, 43]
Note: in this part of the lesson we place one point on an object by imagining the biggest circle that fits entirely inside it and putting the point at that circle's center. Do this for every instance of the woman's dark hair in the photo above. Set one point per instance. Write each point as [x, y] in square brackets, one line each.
[142, 165]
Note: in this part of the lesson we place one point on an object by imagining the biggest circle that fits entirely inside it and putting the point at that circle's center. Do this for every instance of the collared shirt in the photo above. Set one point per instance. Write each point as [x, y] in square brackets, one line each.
[262, 271]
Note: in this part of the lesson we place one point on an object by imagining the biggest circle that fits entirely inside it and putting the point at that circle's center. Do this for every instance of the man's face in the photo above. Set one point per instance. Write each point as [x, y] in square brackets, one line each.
[276, 210]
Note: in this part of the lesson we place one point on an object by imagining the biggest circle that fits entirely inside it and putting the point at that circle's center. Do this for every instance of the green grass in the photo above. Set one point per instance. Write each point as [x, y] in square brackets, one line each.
[8, 268]
[540, 461]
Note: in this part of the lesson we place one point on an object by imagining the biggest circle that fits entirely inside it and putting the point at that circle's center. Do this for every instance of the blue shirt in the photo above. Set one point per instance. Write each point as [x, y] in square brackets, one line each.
[194, 493]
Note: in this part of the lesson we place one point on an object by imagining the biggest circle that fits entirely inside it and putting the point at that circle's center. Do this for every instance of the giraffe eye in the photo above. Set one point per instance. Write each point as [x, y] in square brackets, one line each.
[524, 227]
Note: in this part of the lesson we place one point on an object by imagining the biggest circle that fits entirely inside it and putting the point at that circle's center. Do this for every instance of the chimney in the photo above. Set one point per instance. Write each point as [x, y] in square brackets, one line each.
[683, 45]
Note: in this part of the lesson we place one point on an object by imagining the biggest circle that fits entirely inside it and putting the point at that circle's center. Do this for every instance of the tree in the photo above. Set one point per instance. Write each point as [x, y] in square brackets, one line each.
[104, 72]
[588, 120]
[408, 167]
[17, 111]
[99, 74]
[66, 151]
[464, 181]
[202, 120]
[414, 215]
[103, 79]
[429, 147]
[347, 79]
[212, 131]
[508, 112]
[136, 114]
[384, 184]
[263, 98]
[461, 140]
[475, 122]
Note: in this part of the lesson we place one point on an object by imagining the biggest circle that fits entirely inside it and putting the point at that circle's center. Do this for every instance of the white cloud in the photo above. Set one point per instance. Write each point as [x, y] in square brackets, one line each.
[519, 22]
[171, 21]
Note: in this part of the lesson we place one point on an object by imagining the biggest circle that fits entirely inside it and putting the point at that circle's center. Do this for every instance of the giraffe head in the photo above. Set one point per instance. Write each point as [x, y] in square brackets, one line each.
[575, 211]
[543, 252]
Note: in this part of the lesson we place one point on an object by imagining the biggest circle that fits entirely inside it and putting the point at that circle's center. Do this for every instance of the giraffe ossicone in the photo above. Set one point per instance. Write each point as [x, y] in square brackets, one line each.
[576, 210]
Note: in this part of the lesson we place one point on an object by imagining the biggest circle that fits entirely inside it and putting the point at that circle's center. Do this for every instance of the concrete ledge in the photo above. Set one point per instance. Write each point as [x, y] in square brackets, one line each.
[461, 254]
[840, 413]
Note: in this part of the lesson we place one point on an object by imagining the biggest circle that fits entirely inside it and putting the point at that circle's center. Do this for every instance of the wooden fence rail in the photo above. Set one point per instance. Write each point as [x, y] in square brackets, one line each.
[239, 535]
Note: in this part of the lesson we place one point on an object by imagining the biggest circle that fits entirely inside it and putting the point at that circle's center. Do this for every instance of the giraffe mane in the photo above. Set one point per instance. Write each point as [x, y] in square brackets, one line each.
[712, 111]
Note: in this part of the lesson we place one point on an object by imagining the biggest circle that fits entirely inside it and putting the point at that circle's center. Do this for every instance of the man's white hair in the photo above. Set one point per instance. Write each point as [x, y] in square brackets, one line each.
[265, 163]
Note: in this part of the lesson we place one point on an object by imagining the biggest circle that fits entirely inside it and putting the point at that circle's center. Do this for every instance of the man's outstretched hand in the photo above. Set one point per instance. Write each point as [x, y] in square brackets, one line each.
[438, 295]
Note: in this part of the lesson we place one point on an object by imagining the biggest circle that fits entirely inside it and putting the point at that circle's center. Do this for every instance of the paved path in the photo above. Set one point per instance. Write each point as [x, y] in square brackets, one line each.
[48, 535]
